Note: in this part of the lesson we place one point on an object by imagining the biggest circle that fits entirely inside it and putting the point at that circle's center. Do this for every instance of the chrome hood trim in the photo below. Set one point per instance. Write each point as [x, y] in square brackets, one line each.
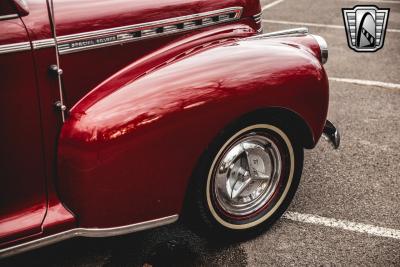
[291, 32]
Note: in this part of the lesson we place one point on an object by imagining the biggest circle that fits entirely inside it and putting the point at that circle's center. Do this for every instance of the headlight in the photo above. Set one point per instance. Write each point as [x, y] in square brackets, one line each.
[323, 47]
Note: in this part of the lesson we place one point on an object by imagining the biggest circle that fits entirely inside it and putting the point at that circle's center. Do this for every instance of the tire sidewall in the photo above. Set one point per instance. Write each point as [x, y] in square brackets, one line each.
[208, 212]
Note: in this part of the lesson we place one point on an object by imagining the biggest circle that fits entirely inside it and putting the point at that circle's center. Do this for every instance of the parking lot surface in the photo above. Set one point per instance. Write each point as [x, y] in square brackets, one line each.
[348, 201]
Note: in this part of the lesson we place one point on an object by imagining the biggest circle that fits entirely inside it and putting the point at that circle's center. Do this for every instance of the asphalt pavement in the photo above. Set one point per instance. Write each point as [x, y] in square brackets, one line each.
[355, 189]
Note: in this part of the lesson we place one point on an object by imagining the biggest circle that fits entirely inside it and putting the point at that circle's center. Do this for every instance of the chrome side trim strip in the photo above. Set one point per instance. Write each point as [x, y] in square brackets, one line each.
[101, 38]
[11, 16]
[44, 43]
[153, 24]
[87, 232]
[89, 40]
[16, 47]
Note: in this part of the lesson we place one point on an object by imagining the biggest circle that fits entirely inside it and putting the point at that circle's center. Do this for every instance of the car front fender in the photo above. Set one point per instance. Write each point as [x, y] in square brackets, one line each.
[126, 152]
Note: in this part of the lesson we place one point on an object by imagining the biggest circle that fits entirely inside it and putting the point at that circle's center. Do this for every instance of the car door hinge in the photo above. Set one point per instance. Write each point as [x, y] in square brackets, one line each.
[54, 69]
[59, 106]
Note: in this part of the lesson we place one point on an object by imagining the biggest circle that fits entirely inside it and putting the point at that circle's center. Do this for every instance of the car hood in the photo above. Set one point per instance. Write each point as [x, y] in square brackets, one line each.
[76, 16]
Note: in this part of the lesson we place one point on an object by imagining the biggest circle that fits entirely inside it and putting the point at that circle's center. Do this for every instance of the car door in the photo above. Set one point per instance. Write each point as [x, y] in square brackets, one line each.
[22, 180]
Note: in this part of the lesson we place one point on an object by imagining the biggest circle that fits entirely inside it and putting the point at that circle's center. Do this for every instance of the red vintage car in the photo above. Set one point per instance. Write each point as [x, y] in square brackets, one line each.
[120, 116]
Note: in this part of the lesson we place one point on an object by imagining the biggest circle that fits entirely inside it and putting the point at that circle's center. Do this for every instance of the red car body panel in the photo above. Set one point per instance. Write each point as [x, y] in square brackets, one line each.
[139, 114]
[108, 155]
[22, 201]
[73, 17]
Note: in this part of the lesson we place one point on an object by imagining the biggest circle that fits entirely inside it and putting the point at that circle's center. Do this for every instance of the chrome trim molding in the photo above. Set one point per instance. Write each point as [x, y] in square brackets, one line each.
[87, 232]
[11, 16]
[323, 46]
[44, 43]
[94, 39]
[125, 34]
[257, 18]
[290, 32]
[16, 47]
[153, 24]
[296, 32]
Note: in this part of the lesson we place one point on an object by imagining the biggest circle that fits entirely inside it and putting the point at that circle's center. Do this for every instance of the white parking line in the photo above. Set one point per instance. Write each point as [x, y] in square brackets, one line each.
[379, 1]
[343, 224]
[302, 23]
[271, 4]
[366, 82]
[314, 24]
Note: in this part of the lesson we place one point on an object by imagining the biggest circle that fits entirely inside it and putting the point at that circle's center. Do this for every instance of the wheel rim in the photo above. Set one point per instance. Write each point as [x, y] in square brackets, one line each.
[246, 175]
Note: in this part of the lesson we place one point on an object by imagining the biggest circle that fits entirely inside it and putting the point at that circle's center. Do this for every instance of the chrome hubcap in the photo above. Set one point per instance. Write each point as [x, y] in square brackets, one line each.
[247, 174]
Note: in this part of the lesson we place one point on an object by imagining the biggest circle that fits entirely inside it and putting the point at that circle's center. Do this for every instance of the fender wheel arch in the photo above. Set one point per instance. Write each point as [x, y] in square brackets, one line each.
[297, 126]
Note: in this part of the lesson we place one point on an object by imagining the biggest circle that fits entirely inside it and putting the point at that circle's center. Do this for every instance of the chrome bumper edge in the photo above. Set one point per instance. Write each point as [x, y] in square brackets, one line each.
[331, 133]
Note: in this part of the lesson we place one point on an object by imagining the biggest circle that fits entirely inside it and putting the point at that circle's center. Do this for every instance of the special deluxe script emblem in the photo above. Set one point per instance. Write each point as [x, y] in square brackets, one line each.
[365, 27]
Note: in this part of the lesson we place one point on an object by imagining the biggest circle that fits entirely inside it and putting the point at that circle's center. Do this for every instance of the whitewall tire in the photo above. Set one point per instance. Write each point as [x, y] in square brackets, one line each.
[247, 178]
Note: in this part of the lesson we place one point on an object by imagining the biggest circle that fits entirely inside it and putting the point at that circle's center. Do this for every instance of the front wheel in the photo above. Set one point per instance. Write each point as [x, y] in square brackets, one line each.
[248, 179]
